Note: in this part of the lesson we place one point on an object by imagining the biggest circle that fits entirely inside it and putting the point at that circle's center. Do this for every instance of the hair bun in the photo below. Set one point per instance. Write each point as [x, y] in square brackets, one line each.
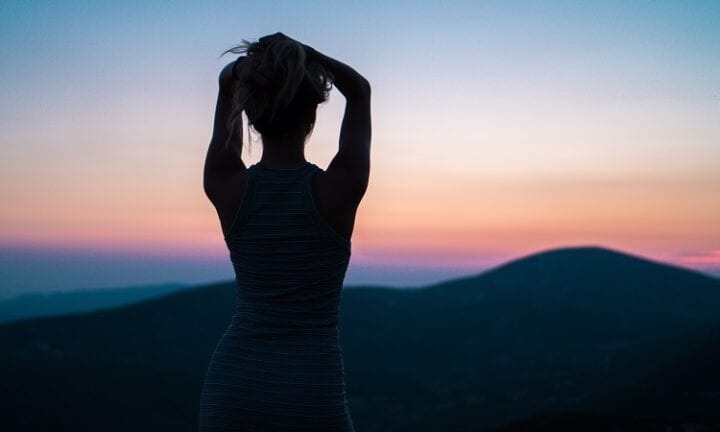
[281, 89]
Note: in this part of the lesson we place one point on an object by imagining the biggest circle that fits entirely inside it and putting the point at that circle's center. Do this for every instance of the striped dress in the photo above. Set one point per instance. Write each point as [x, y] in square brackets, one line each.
[279, 365]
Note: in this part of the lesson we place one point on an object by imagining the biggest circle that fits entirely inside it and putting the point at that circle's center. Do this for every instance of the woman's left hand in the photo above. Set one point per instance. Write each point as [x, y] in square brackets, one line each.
[227, 75]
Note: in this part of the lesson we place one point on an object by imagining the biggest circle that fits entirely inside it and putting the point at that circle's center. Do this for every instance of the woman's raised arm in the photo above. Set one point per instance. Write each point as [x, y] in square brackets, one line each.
[223, 160]
[351, 164]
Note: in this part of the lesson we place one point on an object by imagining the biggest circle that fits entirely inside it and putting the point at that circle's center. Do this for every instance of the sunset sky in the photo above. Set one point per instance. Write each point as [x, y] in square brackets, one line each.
[499, 128]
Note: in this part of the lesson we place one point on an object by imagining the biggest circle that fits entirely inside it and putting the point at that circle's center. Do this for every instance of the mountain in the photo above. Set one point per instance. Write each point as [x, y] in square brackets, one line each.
[33, 305]
[585, 330]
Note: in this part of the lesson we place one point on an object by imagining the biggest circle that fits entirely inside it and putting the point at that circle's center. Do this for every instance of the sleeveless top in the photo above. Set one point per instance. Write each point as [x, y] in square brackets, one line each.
[279, 365]
[289, 263]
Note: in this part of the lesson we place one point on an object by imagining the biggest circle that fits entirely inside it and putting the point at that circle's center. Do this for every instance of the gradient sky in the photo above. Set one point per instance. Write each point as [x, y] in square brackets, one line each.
[499, 128]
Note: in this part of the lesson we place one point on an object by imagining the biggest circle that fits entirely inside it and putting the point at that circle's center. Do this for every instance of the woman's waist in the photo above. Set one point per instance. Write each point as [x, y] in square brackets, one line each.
[302, 313]
[299, 326]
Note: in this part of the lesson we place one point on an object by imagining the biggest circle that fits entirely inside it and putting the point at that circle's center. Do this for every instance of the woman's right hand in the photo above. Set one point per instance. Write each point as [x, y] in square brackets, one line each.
[241, 69]
[271, 37]
[309, 51]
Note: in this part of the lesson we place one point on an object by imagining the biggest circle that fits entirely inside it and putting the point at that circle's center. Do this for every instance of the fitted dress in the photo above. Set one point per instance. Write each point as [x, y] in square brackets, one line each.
[279, 366]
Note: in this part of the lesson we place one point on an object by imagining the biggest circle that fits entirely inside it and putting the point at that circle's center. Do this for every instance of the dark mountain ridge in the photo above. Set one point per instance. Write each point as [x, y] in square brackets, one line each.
[578, 329]
[34, 305]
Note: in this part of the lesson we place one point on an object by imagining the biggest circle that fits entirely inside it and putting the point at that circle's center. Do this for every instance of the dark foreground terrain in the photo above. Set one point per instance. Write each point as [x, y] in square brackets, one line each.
[572, 339]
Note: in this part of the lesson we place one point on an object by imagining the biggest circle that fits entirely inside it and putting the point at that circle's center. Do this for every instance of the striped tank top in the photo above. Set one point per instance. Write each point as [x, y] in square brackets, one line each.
[279, 365]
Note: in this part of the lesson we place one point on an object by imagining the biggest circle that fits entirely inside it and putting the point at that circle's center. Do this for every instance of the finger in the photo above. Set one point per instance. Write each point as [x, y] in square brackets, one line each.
[240, 63]
[265, 39]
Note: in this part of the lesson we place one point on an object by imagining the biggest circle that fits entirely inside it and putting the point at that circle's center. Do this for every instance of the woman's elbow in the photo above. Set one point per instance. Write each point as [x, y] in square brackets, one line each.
[365, 86]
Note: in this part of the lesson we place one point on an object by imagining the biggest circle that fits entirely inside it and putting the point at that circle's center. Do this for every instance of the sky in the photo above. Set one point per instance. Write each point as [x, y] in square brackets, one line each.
[499, 129]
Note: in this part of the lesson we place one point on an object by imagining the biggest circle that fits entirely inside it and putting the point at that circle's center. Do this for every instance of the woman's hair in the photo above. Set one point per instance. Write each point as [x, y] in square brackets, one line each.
[288, 101]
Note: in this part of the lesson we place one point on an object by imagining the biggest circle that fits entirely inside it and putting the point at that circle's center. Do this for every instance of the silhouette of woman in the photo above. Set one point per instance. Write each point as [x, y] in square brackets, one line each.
[287, 225]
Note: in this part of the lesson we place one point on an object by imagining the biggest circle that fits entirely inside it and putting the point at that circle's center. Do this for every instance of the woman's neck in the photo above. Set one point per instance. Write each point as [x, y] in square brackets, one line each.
[282, 155]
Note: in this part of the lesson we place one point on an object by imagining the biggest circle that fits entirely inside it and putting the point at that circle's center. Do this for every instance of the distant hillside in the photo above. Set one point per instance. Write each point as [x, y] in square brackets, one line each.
[587, 330]
[33, 305]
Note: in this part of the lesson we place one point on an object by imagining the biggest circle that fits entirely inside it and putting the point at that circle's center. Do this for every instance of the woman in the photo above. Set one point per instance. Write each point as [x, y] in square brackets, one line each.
[287, 224]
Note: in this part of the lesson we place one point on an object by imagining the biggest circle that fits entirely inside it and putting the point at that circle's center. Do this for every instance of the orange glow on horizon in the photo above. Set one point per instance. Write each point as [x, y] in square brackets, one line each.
[452, 223]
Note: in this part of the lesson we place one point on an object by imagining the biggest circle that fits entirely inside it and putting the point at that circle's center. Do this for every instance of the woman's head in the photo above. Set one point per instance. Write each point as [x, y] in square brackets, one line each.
[277, 88]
